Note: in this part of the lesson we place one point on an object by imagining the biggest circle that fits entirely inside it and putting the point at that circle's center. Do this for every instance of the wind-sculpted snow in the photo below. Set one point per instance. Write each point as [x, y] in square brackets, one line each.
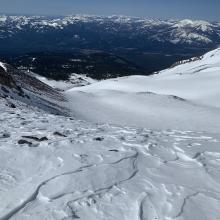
[61, 168]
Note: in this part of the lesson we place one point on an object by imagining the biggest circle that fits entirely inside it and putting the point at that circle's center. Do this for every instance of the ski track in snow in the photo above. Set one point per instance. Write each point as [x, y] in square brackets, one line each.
[100, 171]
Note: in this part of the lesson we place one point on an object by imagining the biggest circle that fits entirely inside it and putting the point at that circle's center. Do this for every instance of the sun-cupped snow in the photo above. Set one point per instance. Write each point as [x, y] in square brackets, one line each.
[183, 97]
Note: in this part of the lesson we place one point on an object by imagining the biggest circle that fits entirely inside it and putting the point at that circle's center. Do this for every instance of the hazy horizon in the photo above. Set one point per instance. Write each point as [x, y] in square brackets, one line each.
[105, 15]
[171, 9]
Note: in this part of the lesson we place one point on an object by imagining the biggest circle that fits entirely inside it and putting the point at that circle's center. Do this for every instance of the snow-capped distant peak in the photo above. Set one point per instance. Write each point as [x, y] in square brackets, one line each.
[3, 66]
[202, 25]
[3, 18]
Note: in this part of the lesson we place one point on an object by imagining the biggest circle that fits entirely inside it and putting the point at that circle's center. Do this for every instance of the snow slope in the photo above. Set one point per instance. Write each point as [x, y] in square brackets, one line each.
[22, 86]
[59, 168]
[183, 97]
[54, 167]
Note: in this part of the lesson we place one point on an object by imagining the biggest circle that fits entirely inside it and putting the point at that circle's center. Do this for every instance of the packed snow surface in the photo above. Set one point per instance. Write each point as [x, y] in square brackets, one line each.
[61, 168]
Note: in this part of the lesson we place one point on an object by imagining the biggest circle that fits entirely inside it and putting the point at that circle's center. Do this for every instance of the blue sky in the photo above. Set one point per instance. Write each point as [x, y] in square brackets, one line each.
[196, 9]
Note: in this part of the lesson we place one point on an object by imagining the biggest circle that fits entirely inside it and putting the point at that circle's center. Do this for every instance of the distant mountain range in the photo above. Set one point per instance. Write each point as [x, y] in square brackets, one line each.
[106, 32]
[151, 44]
[132, 147]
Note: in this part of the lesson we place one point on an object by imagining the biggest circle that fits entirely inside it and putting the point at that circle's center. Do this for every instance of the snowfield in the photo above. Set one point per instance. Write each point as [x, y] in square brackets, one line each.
[184, 97]
[135, 148]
